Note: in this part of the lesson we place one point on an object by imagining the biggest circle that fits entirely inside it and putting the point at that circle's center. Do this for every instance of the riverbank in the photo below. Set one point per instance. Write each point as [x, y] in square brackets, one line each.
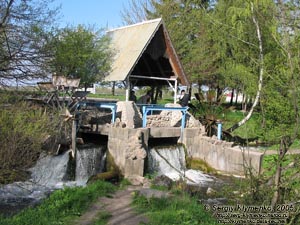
[98, 203]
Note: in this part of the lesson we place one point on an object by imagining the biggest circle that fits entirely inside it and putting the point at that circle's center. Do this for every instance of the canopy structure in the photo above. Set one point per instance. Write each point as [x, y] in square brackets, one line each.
[145, 56]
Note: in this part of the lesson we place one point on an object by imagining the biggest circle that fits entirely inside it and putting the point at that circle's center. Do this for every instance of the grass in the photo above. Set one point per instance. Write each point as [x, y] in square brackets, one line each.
[63, 206]
[248, 130]
[294, 146]
[269, 164]
[179, 209]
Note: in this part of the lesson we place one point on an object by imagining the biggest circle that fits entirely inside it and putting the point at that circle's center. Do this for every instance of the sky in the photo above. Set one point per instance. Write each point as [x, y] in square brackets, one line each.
[101, 13]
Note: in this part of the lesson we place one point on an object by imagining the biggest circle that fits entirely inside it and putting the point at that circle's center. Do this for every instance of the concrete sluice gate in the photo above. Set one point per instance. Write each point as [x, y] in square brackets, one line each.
[161, 148]
[129, 142]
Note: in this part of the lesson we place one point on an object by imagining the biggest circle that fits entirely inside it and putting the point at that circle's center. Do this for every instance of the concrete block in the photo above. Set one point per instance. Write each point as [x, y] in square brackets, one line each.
[221, 156]
[191, 132]
[134, 167]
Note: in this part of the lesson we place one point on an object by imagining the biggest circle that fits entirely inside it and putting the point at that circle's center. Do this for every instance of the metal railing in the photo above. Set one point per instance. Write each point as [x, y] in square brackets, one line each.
[149, 108]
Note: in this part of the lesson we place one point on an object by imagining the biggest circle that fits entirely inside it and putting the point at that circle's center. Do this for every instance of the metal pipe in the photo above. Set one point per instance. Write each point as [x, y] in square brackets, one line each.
[219, 135]
[175, 92]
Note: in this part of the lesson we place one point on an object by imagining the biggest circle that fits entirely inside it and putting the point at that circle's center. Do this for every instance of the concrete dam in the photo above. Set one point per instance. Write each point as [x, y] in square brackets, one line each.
[131, 130]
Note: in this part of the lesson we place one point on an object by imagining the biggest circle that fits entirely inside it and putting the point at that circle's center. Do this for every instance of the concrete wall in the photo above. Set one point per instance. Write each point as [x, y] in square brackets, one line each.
[127, 147]
[220, 154]
[128, 144]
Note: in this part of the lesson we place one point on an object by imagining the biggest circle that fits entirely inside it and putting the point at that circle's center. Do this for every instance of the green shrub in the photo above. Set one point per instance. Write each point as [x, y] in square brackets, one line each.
[24, 127]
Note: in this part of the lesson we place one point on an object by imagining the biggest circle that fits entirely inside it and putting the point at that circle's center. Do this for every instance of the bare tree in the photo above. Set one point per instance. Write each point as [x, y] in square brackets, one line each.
[24, 28]
[137, 11]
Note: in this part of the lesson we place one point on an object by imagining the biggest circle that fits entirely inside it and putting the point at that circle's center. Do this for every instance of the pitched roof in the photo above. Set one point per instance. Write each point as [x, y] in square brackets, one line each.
[144, 49]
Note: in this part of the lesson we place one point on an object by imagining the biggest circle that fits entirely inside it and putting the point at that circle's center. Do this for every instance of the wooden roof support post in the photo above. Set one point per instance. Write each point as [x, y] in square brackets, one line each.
[175, 92]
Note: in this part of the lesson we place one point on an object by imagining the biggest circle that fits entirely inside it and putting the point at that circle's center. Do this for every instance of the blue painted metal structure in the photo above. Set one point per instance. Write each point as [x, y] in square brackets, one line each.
[142, 105]
[219, 135]
[111, 106]
[150, 108]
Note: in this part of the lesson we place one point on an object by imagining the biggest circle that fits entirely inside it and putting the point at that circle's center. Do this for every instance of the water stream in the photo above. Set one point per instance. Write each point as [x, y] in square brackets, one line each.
[170, 161]
[55, 172]
[51, 173]
[90, 161]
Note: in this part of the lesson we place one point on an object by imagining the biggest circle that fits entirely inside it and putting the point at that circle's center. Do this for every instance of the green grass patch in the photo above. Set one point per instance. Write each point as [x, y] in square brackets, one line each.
[62, 206]
[289, 161]
[250, 129]
[289, 182]
[294, 146]
[179, 209]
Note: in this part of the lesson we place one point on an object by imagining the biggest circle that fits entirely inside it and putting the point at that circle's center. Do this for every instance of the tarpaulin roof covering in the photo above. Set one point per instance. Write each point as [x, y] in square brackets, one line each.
[144, 50]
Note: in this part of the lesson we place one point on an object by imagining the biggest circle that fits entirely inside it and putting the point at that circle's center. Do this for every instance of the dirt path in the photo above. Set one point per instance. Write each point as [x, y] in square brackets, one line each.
[118, 207]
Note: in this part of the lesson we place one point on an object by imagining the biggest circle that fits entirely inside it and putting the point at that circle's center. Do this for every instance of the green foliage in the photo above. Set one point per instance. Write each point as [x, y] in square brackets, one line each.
[24, 128]
[205, 109]
[9, 175]
[289, 183]
[250, 130]
[82, 53]
[246, 191]
[179, 209]
[124, 182]
[279, 105]
[62, 206]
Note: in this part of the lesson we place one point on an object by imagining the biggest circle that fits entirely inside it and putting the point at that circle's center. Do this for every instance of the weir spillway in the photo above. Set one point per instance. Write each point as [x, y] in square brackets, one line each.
[128, 136]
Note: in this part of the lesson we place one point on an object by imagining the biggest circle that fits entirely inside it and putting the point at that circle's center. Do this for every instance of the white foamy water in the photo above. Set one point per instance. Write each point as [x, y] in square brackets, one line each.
[89, 161]
[51, 173]
[170, 161]
[51, 170]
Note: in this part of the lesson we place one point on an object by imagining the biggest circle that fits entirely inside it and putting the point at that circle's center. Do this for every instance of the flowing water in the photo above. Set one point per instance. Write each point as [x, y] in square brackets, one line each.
[90, 161]
[170, 161]
[54, 172]
[51, 173]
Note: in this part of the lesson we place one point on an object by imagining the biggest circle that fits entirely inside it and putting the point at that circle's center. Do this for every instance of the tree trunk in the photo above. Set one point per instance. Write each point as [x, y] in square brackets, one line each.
[231, 97]
[199, 87]
[113, 88]
[284, 146]
[261, 72]
[287, 141]
[219, 95]
[243, 101]
[236, 97]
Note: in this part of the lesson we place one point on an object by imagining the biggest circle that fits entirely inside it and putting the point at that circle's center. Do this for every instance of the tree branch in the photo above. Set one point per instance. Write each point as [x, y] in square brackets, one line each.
[261, 72]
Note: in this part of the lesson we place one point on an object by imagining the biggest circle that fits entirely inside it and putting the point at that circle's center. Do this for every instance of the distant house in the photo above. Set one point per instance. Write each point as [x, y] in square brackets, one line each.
[144, 56]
